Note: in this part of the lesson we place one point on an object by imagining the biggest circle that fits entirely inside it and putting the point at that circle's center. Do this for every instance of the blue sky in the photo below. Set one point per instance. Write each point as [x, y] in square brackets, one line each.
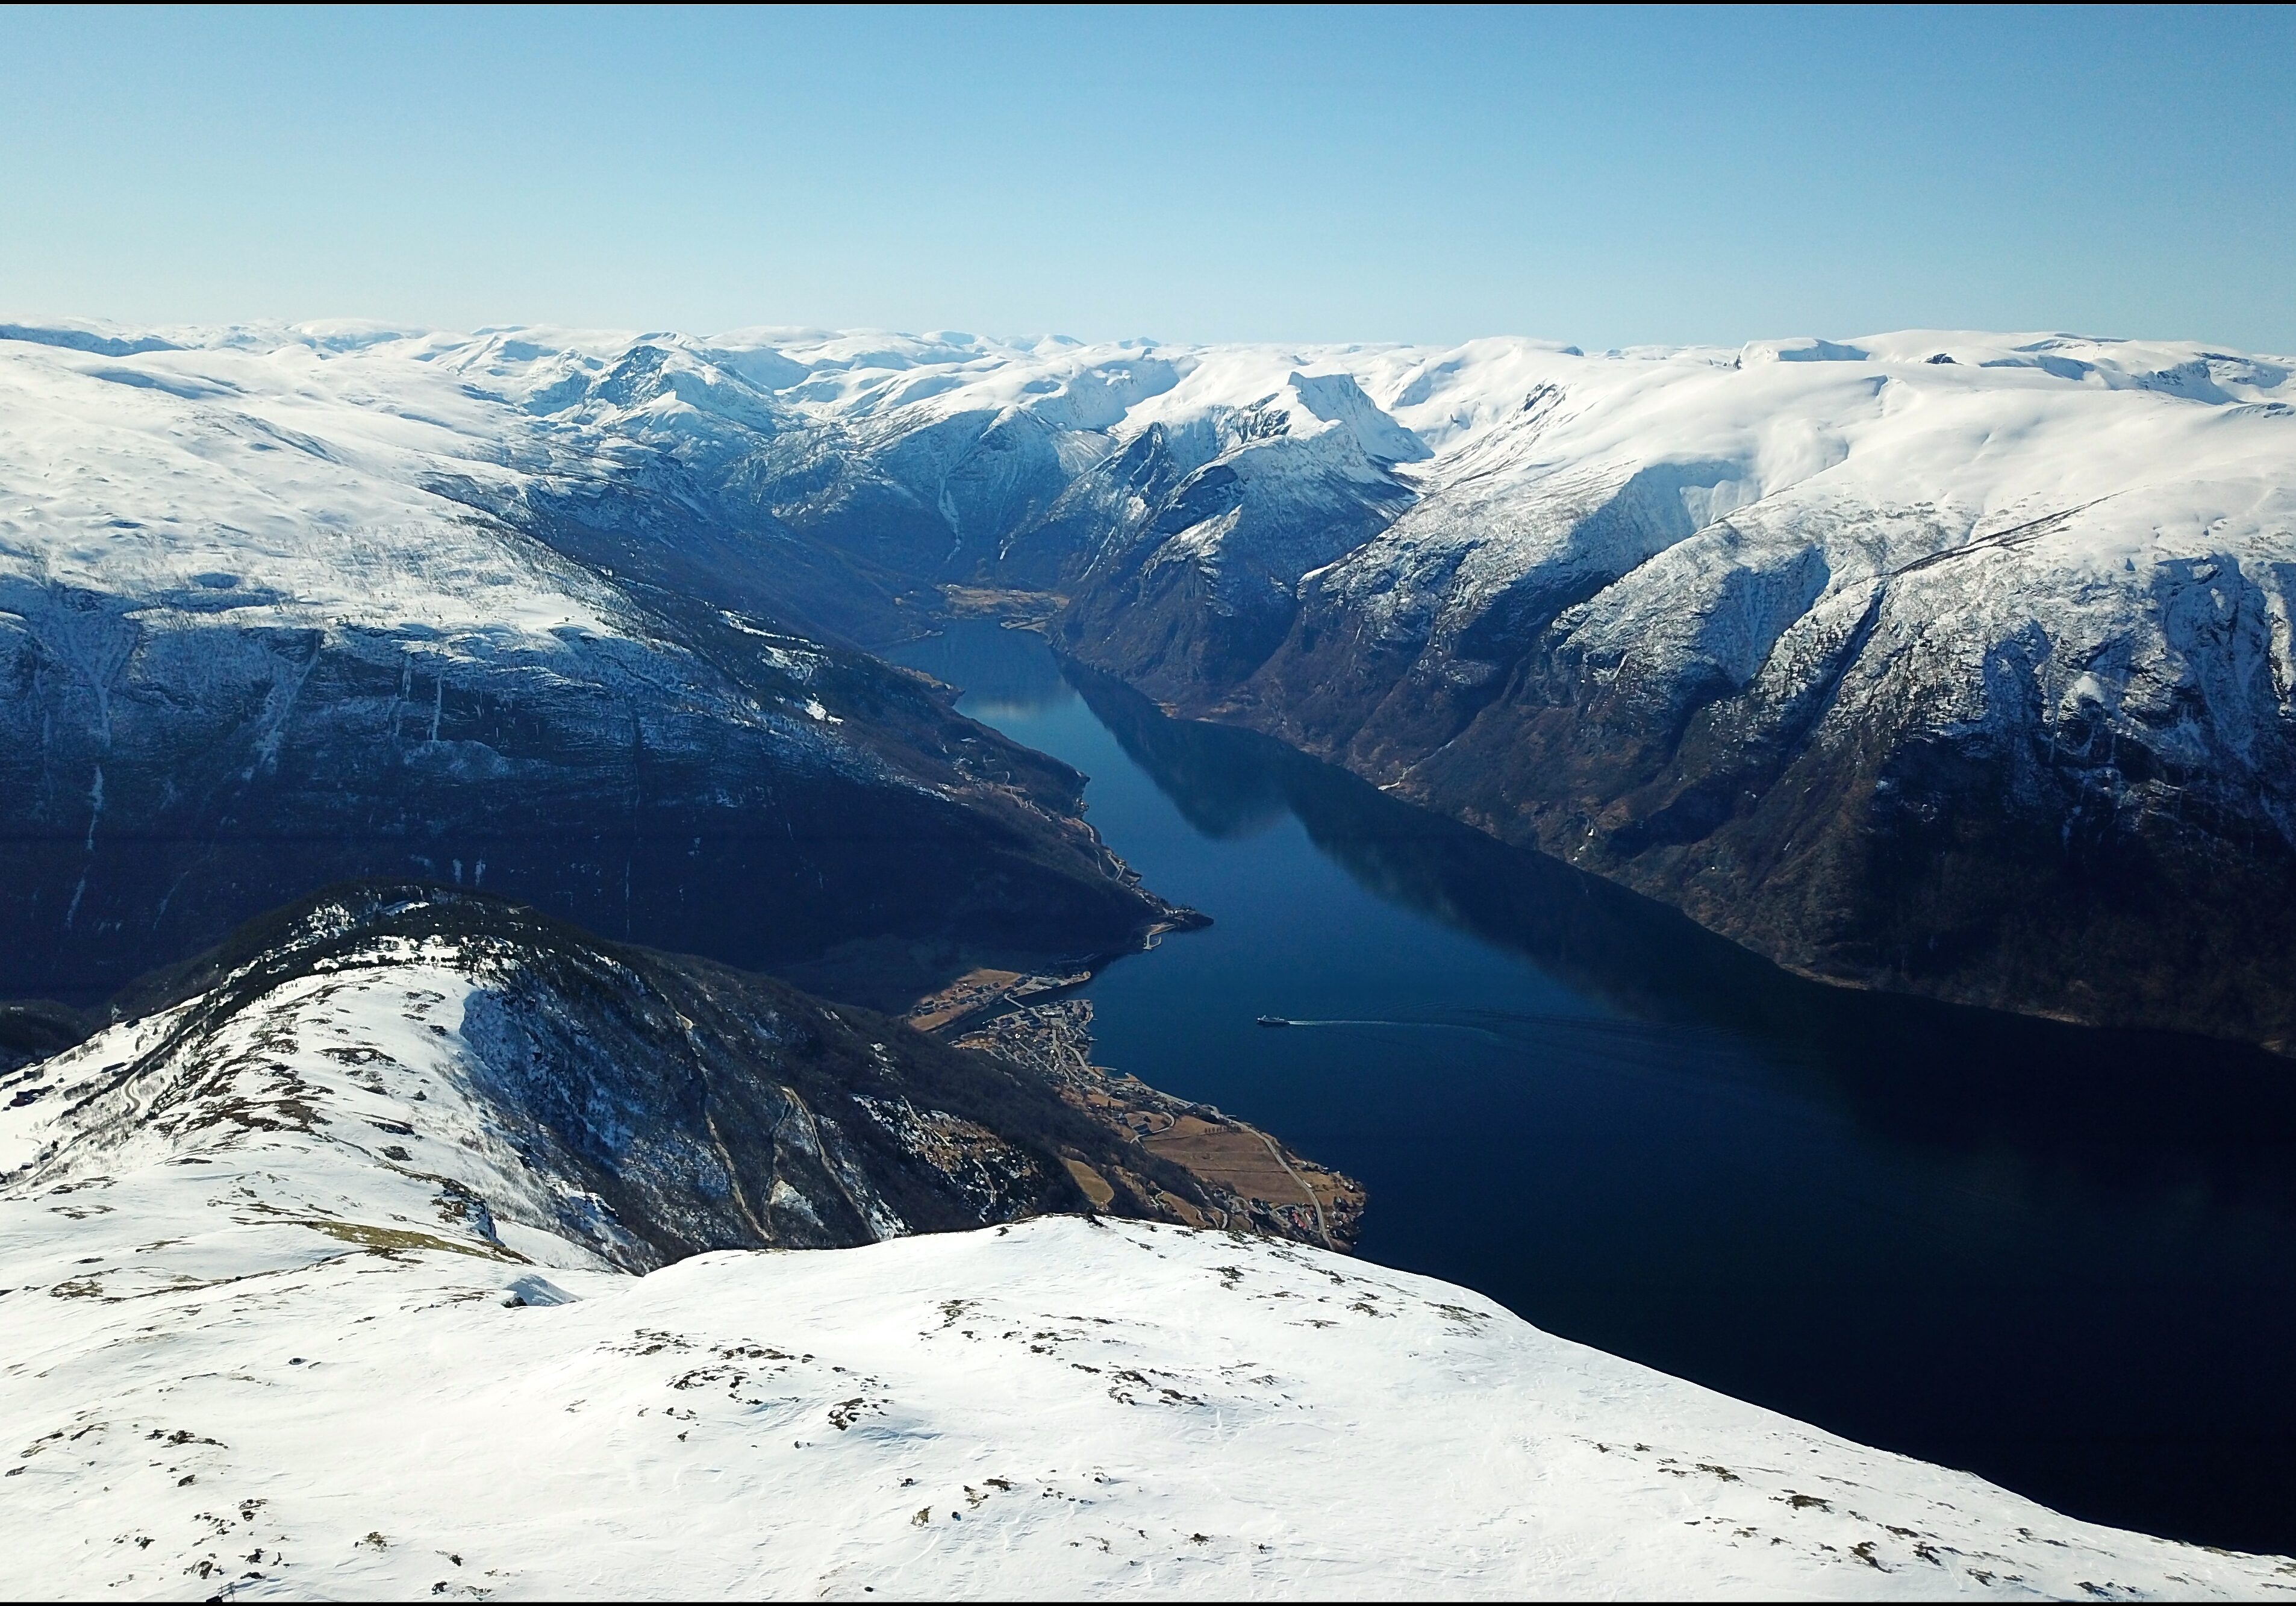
[1604, 176]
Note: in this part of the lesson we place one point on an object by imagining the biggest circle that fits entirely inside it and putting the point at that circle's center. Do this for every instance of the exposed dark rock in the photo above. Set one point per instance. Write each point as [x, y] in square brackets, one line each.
[165, 773]
[33, 1031]
[704, 1107]
[2096, 869]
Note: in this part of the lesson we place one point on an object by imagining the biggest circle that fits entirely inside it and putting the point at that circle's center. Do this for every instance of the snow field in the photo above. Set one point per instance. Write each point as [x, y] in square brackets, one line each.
[247, 1349]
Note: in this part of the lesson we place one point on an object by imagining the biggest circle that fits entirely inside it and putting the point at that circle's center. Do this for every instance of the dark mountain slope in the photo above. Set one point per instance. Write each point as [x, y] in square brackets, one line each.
[649, 1106]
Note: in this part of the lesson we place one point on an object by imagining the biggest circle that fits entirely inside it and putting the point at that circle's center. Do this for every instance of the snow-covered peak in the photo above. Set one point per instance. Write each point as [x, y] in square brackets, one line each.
[84, 334]
[542, 1096]
[281, 477]
[1807, 349]
[1337, 401]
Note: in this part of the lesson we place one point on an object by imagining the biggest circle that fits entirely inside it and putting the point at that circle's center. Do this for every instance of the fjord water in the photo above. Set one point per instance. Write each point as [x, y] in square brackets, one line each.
[2063, 1259]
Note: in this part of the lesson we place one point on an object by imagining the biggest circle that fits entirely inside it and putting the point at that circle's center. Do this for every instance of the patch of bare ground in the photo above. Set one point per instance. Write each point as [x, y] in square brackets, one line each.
[1019, 609]
[938, 985]
[1248, 1180]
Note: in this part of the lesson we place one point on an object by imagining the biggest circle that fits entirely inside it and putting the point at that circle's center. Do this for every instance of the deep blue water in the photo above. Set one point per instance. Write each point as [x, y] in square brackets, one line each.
[2065, 1259]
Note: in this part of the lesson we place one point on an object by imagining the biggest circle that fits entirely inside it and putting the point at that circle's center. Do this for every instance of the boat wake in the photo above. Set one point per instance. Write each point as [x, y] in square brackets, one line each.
[1450, 1026]
[1526, 1029]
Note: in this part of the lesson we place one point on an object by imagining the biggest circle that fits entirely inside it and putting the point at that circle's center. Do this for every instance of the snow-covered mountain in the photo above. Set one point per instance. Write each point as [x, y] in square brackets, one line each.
[251, 643]
[1940, 663]
[1946, 661]
[367, 1267]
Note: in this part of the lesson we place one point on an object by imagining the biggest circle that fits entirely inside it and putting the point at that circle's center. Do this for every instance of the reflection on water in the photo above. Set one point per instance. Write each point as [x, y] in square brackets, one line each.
[2061, 1257]
[1006, 673]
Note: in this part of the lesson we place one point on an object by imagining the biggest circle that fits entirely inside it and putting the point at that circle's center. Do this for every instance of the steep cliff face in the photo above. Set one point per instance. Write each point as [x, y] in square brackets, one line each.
[1965, 677]
[1187, 572]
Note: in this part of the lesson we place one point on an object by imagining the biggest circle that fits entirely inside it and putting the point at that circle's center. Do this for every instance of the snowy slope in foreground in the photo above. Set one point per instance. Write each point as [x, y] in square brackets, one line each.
[312, 1340]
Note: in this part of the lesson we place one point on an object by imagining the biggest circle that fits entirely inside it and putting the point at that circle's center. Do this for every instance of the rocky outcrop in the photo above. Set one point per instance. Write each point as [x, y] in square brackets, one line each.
[643, 1106]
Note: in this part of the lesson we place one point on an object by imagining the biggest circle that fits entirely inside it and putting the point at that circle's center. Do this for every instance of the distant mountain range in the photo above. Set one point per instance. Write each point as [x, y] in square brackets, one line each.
[1946, 662]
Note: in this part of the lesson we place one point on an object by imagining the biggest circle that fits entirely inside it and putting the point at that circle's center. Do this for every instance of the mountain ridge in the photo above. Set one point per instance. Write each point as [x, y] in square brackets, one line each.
[641, 1106]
